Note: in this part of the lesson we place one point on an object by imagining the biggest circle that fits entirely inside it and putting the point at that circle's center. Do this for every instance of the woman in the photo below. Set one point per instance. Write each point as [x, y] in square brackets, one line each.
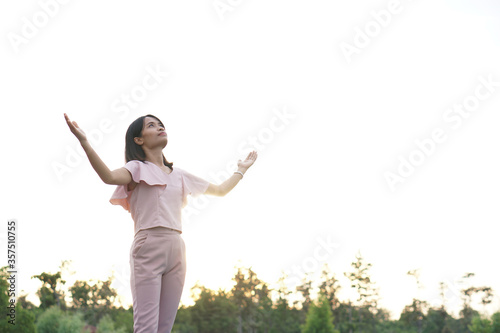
[154, 193]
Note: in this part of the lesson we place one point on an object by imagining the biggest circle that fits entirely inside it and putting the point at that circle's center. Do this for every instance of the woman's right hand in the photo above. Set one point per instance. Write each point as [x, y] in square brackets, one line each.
[75, 129]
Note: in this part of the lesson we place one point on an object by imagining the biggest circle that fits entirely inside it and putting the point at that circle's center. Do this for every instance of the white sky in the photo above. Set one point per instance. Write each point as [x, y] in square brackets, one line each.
[321, 175]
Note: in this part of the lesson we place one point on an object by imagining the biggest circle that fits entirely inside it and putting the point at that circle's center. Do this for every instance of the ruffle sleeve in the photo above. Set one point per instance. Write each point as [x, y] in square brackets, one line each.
[139, 171]
[192, 185]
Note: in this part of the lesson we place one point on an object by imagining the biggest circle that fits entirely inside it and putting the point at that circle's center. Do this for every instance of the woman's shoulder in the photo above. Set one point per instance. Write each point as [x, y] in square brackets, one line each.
[135, 165]
[135, 162]
[150, 173]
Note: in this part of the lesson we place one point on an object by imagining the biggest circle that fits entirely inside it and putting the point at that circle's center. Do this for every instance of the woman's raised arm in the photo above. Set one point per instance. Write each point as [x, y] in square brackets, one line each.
[119, 176]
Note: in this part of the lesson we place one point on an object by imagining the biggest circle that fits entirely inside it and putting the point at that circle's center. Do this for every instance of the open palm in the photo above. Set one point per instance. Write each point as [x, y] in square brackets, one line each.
[252, 156]
[75, 129]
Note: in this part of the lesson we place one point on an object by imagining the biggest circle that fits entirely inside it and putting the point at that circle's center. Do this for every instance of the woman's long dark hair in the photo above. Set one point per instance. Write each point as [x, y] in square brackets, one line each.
[132, 150]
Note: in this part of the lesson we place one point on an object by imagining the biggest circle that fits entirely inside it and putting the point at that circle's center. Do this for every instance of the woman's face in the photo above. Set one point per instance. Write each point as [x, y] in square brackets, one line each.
[153, 133]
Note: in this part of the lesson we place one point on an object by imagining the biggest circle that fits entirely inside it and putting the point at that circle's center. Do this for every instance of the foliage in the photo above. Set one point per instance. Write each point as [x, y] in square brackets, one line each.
[479, 325]
[24, 320]
[249, 307]
[71, 323]
[319, 317]
[213, 312]
[50, 292]
[107, 325]
[49, 321]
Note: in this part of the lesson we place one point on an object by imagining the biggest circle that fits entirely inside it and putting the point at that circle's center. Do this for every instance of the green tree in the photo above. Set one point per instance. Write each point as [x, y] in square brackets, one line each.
[94, 300]
[435, 320]
[468, 313]
[50, 293]
[213, 311]
[48, 322]
[414, 313]
[329, 286]
[24, 303]
[250, 295]
[265, 307]
[71, 323]
[80, 294]
[183, 321]
[23, 320]
[305, 291]
[284, 319]
[495, 325]
[439, 318]
[102, 295]
[107, 325]
[367, 295]
[479, 325]
[390, 326]
[319, 317]
[123, 318]
[361, 281]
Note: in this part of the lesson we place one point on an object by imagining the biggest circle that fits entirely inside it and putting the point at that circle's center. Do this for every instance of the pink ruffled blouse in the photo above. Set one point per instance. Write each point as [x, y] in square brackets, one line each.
[158, 198]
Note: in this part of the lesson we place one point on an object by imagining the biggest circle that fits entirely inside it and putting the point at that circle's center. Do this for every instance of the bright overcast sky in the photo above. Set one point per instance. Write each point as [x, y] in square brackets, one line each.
[376, 125]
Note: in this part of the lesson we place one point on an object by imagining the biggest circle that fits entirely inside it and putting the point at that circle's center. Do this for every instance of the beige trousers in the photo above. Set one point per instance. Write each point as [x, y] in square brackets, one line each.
[157, 273]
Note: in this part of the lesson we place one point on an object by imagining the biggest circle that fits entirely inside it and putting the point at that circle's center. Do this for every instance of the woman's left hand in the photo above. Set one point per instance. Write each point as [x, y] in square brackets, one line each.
[252, 156]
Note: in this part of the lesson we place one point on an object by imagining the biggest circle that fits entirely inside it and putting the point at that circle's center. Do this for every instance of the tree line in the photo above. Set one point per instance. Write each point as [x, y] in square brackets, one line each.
[251, 306]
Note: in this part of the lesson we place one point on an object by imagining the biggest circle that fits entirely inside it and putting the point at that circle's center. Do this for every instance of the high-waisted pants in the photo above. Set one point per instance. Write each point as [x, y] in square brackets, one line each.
[157, 273]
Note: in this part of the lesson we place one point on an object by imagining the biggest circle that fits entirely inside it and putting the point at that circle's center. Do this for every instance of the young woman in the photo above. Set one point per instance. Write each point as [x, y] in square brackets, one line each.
[154, 193]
